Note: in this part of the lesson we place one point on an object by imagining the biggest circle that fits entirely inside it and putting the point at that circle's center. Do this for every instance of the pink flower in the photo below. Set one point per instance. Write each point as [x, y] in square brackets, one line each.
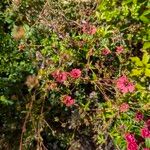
[68, 101]
[124, 85]
[131, 142]
[119, 49]
[131, 87]
[146, 148]
[93, 30]
[132, 146]
[124, 107]
[75, 73]
[145, 132]
[130, 138]
[139, 116]
[59, 76]
[88, 29]
[106, 51]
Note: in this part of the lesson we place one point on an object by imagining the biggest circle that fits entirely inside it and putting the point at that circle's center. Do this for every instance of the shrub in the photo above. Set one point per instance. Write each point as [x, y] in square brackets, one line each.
[74, 74]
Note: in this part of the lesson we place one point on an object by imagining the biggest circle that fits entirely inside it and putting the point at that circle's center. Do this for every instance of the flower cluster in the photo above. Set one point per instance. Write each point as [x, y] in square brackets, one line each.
[106, 51]
[60, 76]
[124, 85]
[131, 142]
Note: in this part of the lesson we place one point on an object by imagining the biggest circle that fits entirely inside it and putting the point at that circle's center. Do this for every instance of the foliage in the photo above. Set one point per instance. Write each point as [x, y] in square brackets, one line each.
[74, 74]
[145, 66]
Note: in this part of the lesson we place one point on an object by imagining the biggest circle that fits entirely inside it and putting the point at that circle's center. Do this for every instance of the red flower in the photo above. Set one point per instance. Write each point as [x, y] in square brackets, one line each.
[68, 101]
[59, 76]
[139, 116]
[124, 107]
[119, 49]
[145, 132]
[124, 85]
[88, 29]
[75, 73]
[106, 51]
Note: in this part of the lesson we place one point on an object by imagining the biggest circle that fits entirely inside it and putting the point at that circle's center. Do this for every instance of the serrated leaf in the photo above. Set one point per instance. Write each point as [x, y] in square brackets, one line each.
[136, 72]
[137, 61]
[145, 58]
[147, 72]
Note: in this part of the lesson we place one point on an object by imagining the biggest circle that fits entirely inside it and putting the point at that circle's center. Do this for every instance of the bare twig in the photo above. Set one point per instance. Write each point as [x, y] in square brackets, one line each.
[25, 122]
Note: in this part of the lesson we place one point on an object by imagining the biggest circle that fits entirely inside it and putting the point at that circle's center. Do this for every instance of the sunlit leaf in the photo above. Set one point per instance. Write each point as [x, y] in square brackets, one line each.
[147, 72]
[146, 45]
[145, 58]
[137, 61]
[136, 72]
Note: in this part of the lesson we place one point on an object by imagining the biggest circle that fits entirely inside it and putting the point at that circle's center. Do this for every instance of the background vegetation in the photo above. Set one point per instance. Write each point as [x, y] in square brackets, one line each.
[74, 74]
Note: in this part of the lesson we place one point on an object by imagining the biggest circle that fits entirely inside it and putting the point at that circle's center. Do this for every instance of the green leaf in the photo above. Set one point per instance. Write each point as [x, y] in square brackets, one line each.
[137, 61]
[139, 87]
[147, 72]
[4, 100]
[144, 19]
[136, 72]
[145, 58]
[26, 27]
[144, 16]
[127, 2]
[135, 1]
[94, 76]
[148, 66]
[86, 106]
[147, 142]
[146, 45]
